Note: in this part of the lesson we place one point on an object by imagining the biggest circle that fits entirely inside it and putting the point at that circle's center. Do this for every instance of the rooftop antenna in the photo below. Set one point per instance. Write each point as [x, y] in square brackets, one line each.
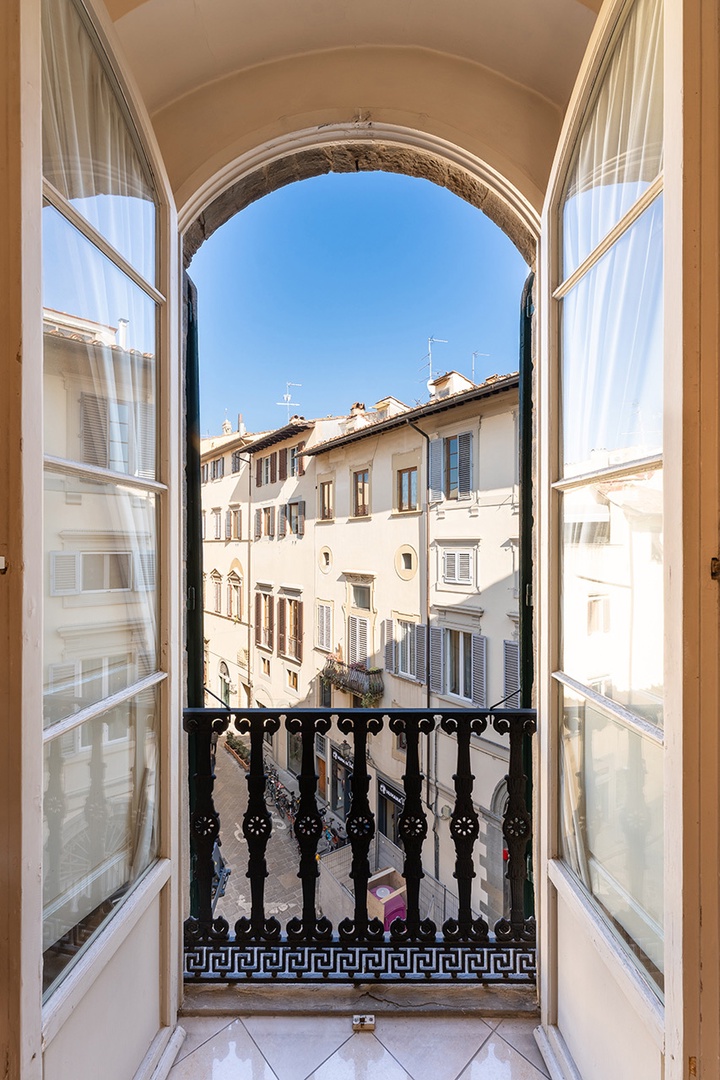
[431, 340]
[287, 398]
[476, 353]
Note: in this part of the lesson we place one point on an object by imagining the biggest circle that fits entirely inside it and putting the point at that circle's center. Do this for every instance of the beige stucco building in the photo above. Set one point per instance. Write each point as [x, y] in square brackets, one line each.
[589, 132]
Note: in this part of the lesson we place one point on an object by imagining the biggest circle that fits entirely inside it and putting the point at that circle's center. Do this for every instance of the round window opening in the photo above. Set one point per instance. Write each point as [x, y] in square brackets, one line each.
[406, 562]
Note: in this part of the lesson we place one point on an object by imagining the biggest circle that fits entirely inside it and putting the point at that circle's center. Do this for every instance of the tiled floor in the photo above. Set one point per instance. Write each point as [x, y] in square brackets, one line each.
[325, 1048]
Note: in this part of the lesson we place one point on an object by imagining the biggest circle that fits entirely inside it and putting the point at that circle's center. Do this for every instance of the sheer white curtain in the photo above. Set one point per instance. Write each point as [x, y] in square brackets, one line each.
[89, 152]
[620, 150]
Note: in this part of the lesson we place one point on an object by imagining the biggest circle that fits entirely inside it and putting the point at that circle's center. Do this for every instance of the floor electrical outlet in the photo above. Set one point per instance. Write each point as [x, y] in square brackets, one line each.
[363, 1022]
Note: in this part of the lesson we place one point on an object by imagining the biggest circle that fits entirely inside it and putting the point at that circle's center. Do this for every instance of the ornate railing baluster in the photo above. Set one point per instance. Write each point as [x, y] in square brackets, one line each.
[201, 724]
[517, 824]
[360, 825]
[257, 828]
[413, 829]
[464, 830]
[308, 826]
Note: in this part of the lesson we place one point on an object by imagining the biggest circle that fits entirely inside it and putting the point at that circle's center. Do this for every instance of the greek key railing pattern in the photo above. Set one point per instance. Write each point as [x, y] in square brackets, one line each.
[359, 949]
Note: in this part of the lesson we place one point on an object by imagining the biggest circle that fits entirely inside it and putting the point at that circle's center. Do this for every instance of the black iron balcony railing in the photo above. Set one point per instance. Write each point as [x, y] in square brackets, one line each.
[359, 948]
[364, 682]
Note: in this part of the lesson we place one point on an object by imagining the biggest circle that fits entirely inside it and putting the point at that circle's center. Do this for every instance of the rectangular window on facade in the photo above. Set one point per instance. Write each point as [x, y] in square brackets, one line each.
[205, 473]
[361, 596]
[264, 620]
[361, 493]
[323, 635]
[235, 523]
[407, 493]
[327, 504]
[236, 461]
[217, 521]
[292, 679]
[217, 593]
[458, 661]
[292, 461]
[457, 567]
[598, 615]
[290, 627]
[234, 597]
[358, 639]
[451, 467]
[268, 521]
[296, 518]
[217, 469]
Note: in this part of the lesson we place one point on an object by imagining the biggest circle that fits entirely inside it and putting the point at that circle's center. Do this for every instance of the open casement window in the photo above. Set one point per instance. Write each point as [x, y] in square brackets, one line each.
[404, 648]
[290, 627]
[458, 664]
[103, 357]
[606, 258]
[264, 620]
[358, 639]
[234, 596]
[451, 470]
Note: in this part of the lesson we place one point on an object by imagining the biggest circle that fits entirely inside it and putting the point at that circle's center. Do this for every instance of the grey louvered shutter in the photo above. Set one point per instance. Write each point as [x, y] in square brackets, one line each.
[258, 524]
[511, 674]
[464, 465]
[271, 526]
[389, 641]
[479, 681]
[258, 618]
[436, 470]
[420, 653]
[271, 621]
[94, 430]
[450, 566]
[282, 610]
[145, 571]
[65, 573]
[463, 568]
[145, 441]
[299, 646]
[301, 518]
[282, 519]
[363, 640]
[228, 524]
[437, 641]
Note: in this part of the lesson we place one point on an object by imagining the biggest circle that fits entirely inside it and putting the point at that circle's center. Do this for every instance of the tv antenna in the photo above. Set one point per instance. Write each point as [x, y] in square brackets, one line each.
[287, 398]
[477, 353]
[428, 355]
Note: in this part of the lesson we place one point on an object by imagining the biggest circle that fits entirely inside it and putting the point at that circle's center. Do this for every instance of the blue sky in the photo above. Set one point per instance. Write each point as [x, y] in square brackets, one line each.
[336, 283]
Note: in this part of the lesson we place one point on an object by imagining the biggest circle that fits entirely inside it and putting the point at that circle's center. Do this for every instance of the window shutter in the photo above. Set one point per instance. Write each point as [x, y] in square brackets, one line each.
[258, 618]
[464, 465]
[363, 640]
[282, 611]
[300, 459]
[436, 659]
[358, 637]
[420, 652]
[65, 573]
[258, 524]
[273, 468]
[145, 571]
[271, 529]
[271, 621]
[464, 568]
[511, 674]
[282, 519]
[228, 524]
[389, 645]
[145, 440]
[63, 679]
[258, 472]
[352, 639]
[94, 430]
[324, 626]
[301, 518]
[299, 648]
[436, 470]
[450, 568]
[479, 655]
[283, 463]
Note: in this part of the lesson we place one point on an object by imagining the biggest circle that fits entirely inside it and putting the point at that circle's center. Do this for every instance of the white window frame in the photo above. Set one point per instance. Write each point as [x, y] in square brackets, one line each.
[323, 625]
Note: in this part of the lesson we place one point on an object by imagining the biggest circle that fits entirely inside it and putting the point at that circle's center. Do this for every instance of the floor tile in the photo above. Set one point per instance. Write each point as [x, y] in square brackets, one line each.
[437, 1048]
[297, 1045]
[229, 1055]
[198, 1029]
[363, 1057]
[498, 1061]
[521, 1036]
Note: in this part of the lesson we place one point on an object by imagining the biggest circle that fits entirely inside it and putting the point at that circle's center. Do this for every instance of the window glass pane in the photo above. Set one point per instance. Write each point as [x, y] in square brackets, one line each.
[612, 588]
[100, 593]
[612, 824]
[612, 351]
[99, 356]
[89, 153]
[620, 149]
[100, 824]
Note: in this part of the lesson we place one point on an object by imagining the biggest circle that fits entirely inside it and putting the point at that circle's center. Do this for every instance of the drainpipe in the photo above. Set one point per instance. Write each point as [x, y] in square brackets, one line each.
[426, 521]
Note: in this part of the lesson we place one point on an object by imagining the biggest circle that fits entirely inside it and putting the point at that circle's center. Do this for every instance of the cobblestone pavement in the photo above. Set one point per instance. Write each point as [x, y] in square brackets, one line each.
[283, 892]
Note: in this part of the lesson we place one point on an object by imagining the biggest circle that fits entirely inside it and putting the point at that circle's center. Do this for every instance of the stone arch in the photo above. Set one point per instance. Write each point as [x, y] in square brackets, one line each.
[289, 162]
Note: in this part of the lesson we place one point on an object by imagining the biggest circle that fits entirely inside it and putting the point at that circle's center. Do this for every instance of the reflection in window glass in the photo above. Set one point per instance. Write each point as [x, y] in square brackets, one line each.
[612, 824]
[89, 150]
[100, 597]
[620, 150]
[612, 353]
[100, 824]
[612, 588]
